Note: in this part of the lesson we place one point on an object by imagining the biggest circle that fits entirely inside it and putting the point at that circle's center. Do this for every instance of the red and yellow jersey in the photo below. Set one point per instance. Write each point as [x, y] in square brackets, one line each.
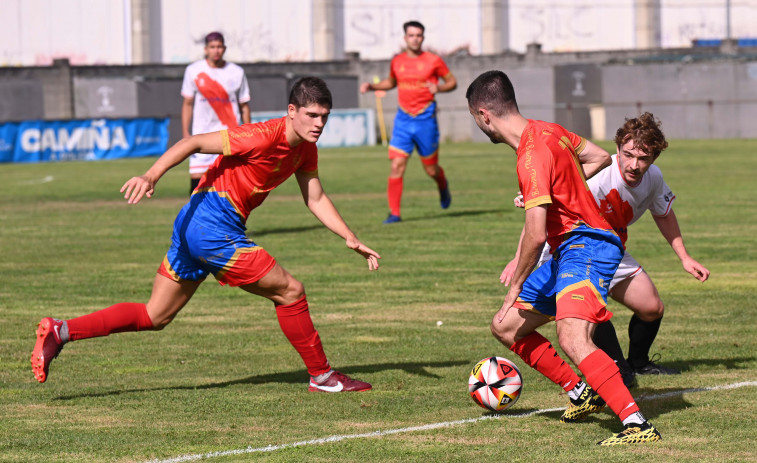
[256, 159]
[549, 172]
[413, 75]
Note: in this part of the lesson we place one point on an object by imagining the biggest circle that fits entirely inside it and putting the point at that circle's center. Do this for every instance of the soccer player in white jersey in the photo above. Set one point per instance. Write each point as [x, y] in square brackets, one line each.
[216, 96]
[625, 190]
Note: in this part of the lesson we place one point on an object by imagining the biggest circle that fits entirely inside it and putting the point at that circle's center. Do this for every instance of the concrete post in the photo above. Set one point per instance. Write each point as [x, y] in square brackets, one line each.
[648, 23]
[328, 30]
[146, 33]
[495, 33]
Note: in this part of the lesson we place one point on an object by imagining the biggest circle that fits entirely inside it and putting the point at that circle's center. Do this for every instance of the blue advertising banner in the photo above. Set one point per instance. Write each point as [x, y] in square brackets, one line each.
[86, 140]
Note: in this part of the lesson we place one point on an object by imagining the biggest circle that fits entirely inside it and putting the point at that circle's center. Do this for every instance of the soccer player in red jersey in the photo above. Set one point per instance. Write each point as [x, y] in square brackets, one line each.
[552, 166]
[416, 74]
[216, 95]
[209, 235]
[624, 191]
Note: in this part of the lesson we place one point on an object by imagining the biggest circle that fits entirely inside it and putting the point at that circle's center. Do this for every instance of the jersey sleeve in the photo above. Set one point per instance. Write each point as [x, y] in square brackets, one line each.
[663, 197]
[188, 88]
[392, 72]
[441, 69]
[535, 176]
[244, 90]
[245, 140]
[578, 142]
[309, 164]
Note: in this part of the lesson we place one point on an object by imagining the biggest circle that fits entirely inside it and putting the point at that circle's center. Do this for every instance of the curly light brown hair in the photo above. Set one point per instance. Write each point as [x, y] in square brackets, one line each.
[646, 133]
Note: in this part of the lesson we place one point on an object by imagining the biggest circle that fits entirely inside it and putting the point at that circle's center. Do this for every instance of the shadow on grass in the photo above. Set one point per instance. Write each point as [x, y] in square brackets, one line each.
[453, 214]
[728, 363]
[252, 234]
[289, 377]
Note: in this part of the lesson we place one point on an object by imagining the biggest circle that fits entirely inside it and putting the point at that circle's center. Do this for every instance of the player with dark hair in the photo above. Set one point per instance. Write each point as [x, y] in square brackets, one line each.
[416, 74]
[624, 191]
[552, 167]
[216, 96]
[209, 235]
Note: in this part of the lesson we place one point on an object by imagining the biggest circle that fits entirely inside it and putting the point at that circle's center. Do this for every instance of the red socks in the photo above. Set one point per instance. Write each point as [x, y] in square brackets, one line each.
[394, 194]
[126, 316]
[537, 351]
[441, 180]
[297, 326]
[604, 377]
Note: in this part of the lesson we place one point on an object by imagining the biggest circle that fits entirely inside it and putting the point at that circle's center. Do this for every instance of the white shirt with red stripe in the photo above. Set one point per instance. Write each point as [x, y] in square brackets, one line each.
[217, 94]
[622, 205]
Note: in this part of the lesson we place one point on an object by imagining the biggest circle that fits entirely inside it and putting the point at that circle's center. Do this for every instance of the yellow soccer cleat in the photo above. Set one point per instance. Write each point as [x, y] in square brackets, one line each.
[634, 433]
[588, 402]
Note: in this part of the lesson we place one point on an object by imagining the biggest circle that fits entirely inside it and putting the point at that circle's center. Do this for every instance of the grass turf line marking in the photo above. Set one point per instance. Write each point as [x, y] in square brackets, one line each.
[425, 427]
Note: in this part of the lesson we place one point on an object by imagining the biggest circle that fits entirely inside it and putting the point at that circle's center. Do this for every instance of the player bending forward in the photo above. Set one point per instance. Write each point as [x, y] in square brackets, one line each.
[631, 186]
[572, 290]
[209, 235]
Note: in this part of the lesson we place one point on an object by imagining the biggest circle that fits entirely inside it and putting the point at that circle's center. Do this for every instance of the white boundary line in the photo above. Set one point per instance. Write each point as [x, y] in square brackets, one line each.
[425, 427]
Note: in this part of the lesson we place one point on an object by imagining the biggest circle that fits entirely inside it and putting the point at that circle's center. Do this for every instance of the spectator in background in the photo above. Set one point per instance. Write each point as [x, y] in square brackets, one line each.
[223, 98]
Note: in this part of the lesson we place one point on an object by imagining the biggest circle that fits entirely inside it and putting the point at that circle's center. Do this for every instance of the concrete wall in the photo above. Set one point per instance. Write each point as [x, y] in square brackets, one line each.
[696, 93]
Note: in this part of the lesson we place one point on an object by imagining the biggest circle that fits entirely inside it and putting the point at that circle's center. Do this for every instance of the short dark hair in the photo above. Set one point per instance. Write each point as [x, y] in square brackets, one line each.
[214, 36]
[413, 24]
[310, 90]
[646, 133]
[494, 91]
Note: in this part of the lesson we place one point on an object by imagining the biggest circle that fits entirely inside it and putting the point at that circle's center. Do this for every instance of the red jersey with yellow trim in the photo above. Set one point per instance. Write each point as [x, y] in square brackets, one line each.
[256, 159]
[412, 74]
[549, 172]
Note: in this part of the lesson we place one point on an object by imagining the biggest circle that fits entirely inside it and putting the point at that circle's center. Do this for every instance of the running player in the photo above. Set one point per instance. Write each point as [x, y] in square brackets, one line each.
[631, 186]
[216, 95]
[209, 235]
[416, 73]
[551, 165]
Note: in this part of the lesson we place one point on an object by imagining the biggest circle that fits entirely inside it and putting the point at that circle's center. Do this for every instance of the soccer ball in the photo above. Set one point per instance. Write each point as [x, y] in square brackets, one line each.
[495, 383]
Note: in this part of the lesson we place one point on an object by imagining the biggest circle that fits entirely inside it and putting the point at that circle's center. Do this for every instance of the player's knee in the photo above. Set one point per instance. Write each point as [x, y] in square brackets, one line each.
[295, 289]
[654, 311]
[158, 323]
[502, 332]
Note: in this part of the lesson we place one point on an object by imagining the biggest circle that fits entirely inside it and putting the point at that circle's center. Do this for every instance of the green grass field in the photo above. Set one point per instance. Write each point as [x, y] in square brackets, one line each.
[222, 377]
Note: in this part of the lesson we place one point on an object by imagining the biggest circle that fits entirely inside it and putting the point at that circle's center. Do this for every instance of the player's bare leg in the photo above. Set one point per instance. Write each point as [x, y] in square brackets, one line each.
[167, 299]
[293, 313]
[640, 295]
[601, 372]
[436, 172]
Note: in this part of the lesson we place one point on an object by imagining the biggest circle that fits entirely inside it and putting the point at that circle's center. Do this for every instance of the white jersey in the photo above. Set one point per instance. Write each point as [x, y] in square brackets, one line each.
[217, 92]
[622, 204]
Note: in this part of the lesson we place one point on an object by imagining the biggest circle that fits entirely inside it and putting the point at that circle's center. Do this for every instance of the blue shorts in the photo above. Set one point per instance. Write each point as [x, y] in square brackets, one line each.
[209, 238]
[575, 283]
[421, 131]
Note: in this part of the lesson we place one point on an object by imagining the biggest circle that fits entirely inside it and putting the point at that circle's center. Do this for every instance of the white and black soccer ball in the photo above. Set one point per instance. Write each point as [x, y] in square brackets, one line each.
[495, 383]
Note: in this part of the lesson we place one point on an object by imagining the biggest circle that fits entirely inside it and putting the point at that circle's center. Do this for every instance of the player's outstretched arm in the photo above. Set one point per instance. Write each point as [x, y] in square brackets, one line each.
[386, 84]
[533, 238]
[325, 211]
[670, 229]
[593, 159]
[507, 274]
[144, 185]
[450, 83]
